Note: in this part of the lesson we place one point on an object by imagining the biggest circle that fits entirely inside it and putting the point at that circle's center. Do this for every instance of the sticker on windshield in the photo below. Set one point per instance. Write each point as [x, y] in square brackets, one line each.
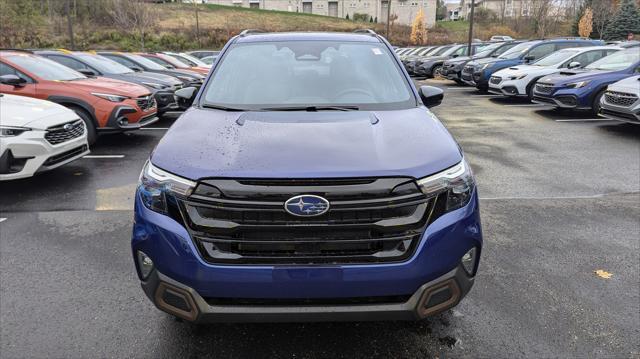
[376, 51]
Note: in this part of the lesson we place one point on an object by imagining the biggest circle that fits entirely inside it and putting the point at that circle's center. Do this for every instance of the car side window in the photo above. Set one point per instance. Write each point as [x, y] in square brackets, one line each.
[121, 60]
[461, 51]
[8, 70]
[567, 45]
[586, 58]
[541, 51]
[68, 62]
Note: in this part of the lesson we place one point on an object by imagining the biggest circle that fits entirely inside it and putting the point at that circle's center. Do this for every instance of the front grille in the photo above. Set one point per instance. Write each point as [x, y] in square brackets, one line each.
[64, 156]
[467, 70]
[544, 88]
[495, 80]
[620, 98]
[245, 222]
[65, 132]
[146, 103]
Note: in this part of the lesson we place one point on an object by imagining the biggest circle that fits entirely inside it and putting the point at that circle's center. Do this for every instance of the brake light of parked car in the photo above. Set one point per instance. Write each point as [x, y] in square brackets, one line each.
[457, 181]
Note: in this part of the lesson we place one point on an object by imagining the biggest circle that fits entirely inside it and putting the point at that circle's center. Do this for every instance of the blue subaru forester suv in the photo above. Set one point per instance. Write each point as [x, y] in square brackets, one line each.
[308, 182]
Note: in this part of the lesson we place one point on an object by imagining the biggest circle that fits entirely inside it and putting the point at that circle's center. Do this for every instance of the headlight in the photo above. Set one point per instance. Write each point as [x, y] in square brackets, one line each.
[577, 85]
[110, 97]
[153, 85]
[485, 66]
[11, 131]
[186, 78]
[517, 77]
[156, 183]
[457, 182]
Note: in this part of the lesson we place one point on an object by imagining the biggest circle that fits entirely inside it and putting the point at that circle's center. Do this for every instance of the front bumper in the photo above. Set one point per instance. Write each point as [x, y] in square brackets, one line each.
[178, 265]
[510, 88]
[624, 114]
[29, 153]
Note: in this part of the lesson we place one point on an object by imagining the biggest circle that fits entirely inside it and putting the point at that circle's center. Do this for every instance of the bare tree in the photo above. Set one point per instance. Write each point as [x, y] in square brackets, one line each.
[541, 12]
[134, 15]
[603, 11]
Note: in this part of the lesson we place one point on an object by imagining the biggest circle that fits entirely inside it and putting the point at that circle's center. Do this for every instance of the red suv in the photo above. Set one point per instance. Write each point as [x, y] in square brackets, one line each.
[105, 105]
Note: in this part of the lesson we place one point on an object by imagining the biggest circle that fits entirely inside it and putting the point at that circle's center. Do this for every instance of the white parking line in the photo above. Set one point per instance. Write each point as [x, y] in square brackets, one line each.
[525, 105]
[103, 156]
[585, 120]
[154, 128]
[2, 220]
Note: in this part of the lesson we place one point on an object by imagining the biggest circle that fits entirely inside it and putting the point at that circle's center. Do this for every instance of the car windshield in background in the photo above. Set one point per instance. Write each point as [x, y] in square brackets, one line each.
[517, 50]
[441, 51]
[295, 74]
[451, 50]
[146, 62]
[616, 61]
[504, 49]
[485, 51]
[556, 58]
[104, 65]
[45, 68]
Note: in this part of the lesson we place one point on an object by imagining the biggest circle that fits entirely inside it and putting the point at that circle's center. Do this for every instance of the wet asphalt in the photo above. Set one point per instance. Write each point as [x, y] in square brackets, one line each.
[560, 199]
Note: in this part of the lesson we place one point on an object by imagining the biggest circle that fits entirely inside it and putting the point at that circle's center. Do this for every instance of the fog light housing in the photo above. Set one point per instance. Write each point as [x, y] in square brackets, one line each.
[145, 264]
[469, 261]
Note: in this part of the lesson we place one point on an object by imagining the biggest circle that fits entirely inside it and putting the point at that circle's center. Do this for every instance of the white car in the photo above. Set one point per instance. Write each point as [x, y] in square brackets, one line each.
[496, 38]
[37, 135]
[519, 80]
[621, 101]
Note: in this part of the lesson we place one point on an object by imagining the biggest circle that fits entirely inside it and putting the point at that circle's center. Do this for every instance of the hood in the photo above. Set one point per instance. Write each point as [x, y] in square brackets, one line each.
[628, 85]
[211, 143]
[526, 69]
[30, 112]
[459, 59]
[569, 76]
[180, 72]
[139, 77]
[111, 86]
[156, 76]
[435, 58]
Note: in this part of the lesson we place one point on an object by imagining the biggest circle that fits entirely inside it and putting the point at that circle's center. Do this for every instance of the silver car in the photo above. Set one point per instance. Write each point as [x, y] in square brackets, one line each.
[621, 101]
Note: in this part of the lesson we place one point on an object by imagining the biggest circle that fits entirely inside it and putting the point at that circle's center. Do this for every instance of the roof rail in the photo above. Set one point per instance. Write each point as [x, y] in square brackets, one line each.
[365, 31]
[251, 31]
[16, 50]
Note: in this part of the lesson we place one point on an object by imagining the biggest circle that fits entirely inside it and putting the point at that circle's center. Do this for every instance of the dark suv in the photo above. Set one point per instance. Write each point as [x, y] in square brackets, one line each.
[452, 68]
[316, 186]
[161, 86]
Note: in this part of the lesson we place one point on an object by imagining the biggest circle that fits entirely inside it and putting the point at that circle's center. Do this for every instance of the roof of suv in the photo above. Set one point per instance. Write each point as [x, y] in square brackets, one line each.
[307, 36]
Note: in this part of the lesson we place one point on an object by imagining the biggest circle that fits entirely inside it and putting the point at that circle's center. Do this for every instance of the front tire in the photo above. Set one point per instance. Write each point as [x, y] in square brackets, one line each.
[92, 135]
[595, 106]
[436, 71]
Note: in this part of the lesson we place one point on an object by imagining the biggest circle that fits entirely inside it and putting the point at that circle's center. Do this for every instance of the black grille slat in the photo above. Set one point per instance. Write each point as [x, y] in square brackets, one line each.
[544, 88]
[244, 221]
[620, 98]
[58, 134]
[146, 103]
[53, 160]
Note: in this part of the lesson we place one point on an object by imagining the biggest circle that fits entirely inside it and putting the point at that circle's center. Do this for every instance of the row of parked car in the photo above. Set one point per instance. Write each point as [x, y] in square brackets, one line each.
[566, 73]
[55, 103]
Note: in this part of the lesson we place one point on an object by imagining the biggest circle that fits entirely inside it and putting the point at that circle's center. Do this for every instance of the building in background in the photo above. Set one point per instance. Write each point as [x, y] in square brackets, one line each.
[404, 10]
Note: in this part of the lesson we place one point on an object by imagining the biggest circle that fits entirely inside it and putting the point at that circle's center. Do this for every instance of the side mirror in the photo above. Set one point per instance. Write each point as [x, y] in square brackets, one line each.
[136, 68]
[574, 65]
[185, 96]
[170, 67]
[529, 58]
[12, 80]
[87, 72]
[431, 96]
[454, 56]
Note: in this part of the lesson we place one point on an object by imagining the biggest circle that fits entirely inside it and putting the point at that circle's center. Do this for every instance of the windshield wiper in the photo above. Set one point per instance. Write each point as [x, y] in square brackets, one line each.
[223, 108]
[312, 108]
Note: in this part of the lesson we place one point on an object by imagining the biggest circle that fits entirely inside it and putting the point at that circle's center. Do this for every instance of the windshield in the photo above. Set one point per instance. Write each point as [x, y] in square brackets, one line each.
[171, 61]
[45, 69]
[556, 58]
[145, 62]
[451, 50]
[517, 50]
[308, 74]
[486, 51]
[104, 65]
[440, 51]
[190, 60]
[617, 61]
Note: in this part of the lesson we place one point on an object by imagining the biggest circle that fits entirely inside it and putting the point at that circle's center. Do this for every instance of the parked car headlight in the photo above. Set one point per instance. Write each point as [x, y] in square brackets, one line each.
[155, 184]
[485, 66]
[577, 85]
[517, 77]
[12, 131]
[110, 97]
[456, 181]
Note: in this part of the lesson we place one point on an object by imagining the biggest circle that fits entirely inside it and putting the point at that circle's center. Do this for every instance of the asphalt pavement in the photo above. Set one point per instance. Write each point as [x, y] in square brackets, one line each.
[560, 200]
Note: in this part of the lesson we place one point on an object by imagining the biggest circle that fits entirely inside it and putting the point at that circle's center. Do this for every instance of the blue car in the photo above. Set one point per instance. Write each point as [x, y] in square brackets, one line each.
[478, 73]
[583, 89]
[317, 186]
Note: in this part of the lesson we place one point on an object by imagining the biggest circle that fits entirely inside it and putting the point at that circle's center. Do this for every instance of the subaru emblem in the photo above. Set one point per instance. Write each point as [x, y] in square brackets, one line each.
[306, 205]
[68, 127]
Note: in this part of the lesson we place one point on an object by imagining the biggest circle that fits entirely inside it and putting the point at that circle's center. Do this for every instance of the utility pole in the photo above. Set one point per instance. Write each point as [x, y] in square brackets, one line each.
[473, 6]
[195, 3]
[388, 18]
[69, 24]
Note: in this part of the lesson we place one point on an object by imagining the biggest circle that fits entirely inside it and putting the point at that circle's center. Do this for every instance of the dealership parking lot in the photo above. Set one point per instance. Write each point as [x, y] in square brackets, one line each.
[560, 196]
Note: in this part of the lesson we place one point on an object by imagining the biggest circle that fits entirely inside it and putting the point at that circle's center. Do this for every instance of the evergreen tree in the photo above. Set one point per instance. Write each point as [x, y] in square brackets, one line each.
[626, 20]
